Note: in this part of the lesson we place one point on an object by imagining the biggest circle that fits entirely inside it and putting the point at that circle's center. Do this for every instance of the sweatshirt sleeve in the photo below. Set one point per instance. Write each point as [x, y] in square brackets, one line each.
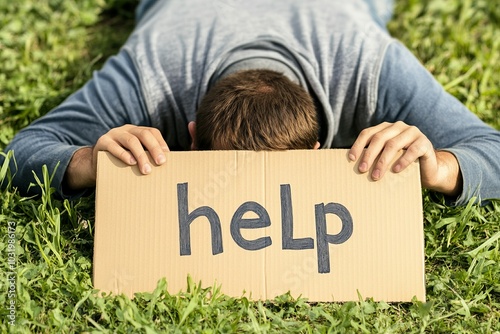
[110, 99]
[409, 93]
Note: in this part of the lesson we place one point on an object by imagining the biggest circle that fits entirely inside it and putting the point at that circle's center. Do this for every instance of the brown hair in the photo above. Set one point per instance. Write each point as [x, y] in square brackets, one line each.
[256, 110]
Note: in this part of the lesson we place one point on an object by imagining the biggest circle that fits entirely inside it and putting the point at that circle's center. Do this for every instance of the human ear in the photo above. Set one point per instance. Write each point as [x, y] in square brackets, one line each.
[316, 146]
[192, 133]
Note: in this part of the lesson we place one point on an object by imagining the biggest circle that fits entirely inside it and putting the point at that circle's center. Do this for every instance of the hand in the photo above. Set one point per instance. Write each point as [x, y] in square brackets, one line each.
[438, 170]
[128, 143]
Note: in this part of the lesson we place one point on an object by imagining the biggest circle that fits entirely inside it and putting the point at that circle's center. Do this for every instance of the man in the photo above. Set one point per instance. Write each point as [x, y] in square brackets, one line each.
[260, 74]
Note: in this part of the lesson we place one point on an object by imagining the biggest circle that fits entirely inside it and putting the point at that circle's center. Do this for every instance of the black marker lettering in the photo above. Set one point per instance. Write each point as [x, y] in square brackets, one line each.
[185, 220]
[237, 223]
[323, 239]
[287, 240]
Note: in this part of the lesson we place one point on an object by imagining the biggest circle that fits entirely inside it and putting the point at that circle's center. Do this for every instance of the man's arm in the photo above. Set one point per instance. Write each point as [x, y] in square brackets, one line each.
[110, 99]
[409, 93]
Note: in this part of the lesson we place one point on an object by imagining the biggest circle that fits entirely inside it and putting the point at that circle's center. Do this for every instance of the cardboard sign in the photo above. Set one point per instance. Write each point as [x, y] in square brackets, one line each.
[260, 224]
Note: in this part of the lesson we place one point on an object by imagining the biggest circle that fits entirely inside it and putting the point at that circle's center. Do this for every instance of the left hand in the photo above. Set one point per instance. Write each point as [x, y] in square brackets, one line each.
[438, 170]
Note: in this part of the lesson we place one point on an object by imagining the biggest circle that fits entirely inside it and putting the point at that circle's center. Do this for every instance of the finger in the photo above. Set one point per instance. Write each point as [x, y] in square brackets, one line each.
[380, 141]
[130, 142]
[383, 161]
[107, 143]
[411, 138]
[421, 148]
[159, 138]
[363, 139]
[122, 154]
[150, 139]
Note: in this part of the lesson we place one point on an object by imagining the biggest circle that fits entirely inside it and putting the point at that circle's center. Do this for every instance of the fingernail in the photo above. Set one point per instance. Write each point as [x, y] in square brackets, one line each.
[397, 168]
[376, 174]
[133, 161]
[363, 167]
[160, 159]
[352, 157]
[146, 169]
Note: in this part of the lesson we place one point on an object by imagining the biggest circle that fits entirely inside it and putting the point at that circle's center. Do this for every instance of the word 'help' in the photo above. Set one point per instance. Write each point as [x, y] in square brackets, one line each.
[323, 239]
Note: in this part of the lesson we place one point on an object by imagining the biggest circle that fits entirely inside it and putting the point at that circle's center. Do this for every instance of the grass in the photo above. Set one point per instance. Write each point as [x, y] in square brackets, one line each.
[49, 48]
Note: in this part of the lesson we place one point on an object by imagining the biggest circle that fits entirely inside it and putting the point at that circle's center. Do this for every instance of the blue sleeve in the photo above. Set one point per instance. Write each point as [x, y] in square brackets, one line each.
[409, 93]
[111, 98]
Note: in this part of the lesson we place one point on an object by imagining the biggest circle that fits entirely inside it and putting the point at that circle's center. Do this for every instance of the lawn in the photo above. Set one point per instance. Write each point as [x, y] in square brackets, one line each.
[49, 48]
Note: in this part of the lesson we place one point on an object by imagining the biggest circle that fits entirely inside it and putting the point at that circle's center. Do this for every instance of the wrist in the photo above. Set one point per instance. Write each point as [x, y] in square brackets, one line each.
[449, 177]
[80, 173]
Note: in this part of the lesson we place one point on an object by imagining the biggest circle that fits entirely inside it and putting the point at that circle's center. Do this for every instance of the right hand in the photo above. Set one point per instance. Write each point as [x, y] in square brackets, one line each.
[128, 143]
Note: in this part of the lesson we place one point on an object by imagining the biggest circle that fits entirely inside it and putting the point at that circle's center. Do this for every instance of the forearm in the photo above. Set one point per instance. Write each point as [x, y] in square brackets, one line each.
[32, 150]
[63, 137]
[469, 158]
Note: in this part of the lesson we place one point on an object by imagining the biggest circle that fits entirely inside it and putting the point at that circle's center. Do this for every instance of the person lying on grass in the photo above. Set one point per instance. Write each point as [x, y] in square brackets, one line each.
[264, 75]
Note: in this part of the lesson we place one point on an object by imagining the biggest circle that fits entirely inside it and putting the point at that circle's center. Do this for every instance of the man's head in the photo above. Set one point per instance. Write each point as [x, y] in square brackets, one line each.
[256, 110]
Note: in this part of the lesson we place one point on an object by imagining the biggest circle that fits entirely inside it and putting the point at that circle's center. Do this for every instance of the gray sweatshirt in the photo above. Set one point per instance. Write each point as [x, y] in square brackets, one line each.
[338, 50]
